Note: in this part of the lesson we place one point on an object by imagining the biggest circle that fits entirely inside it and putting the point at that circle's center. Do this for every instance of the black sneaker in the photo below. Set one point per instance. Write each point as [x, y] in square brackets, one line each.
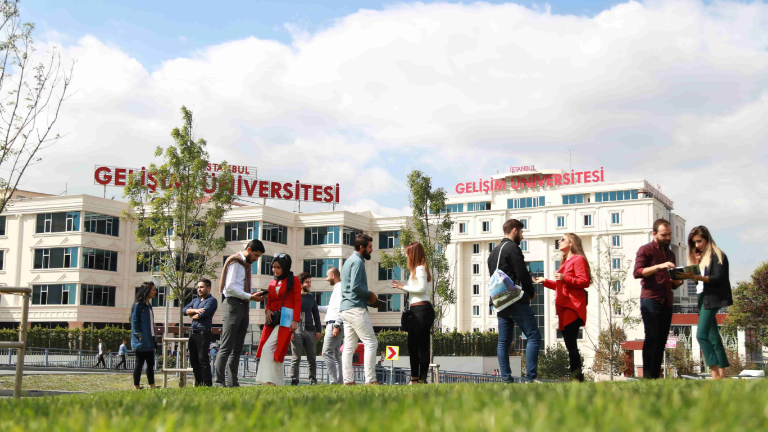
[294, 382]
[313, 382]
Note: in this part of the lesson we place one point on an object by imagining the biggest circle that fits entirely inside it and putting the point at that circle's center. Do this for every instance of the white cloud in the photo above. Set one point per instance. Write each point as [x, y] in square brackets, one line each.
[672, 91]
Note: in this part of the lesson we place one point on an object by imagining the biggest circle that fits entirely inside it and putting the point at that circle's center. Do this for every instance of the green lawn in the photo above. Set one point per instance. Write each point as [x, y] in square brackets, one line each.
[638, 406]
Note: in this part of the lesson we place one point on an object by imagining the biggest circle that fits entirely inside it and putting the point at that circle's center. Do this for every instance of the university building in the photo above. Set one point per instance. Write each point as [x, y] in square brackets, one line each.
[81, 258]
[614, 216]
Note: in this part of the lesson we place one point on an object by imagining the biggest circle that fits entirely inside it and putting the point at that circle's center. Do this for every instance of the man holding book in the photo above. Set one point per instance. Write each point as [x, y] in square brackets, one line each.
[656, 299]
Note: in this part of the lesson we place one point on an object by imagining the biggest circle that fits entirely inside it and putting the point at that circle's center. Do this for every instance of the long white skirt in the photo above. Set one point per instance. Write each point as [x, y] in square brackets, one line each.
[270, 371]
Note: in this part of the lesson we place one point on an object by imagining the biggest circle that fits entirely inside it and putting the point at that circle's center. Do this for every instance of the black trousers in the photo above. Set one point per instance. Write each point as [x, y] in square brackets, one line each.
[122, 362]
[570, 336]
[101, 361]
[199, 345]
[657, 319]
[142, 357]
[418, 339]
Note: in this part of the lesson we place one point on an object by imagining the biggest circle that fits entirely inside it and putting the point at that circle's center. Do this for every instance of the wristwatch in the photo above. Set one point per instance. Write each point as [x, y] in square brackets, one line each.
[336, 325]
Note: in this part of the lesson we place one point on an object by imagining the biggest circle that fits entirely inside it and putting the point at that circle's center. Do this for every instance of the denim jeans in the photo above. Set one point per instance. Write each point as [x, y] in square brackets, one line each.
[522, 314]
[657, 319]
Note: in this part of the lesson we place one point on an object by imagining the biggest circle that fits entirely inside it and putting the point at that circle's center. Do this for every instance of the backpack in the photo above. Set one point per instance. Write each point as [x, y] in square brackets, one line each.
[503, 291]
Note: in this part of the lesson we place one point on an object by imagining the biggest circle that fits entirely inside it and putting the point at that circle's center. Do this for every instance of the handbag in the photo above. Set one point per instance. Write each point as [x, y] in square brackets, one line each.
[405, 319]
[502, 290]
[277, 315]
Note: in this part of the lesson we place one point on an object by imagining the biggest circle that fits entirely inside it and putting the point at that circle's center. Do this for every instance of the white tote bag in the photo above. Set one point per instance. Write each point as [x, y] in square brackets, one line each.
[503, 291]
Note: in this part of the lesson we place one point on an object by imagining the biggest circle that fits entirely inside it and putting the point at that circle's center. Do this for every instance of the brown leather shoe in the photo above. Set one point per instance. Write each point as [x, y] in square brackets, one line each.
[375, 383]
[352, 383]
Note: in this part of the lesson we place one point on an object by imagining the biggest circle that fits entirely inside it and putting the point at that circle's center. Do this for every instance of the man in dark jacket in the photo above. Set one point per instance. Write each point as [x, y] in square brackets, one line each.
[305, 338]
[512, 263]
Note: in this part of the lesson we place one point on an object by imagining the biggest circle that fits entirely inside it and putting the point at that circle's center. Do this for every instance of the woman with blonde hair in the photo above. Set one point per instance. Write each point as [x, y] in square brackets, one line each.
[422, 314]
[714, 292]
[571, 279]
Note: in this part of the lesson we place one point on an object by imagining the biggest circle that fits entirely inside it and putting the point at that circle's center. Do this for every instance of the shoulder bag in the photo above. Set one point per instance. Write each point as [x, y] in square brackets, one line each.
[502, 290]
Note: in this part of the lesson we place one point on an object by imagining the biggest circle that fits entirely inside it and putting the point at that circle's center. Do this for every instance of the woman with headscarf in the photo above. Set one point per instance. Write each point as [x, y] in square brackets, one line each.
[283, 313]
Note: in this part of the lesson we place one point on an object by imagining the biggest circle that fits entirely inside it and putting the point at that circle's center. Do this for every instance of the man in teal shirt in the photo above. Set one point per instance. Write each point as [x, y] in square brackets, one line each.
[354, 312]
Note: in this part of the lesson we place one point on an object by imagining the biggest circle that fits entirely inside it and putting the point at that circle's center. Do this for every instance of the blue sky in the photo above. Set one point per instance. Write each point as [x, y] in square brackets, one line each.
[158, 30]
[671, 91]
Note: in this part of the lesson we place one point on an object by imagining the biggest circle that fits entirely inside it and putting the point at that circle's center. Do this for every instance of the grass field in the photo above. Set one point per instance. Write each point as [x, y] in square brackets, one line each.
[80, 382]
[635, 406]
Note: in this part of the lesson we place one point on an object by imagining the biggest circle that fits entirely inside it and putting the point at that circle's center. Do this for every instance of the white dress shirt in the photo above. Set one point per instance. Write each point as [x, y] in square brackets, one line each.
[101, 348]
[332, 310]
[234, 286]
[417, 286]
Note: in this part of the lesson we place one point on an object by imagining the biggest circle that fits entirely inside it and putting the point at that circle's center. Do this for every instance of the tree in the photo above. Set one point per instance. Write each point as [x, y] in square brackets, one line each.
[31, 96]
[177, 225]
[749, 311]
[608, 278]
[554, 363]
[430, 225]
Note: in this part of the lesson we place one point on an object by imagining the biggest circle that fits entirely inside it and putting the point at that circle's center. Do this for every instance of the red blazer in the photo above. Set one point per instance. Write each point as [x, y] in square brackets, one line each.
[570, 298]
[274, 300]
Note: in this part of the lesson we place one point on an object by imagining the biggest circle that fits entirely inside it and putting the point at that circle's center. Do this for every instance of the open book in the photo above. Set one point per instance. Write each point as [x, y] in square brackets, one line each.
[687, 269]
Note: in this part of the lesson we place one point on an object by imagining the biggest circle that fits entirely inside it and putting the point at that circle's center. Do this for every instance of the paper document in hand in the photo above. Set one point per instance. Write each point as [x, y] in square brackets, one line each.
[286, 317]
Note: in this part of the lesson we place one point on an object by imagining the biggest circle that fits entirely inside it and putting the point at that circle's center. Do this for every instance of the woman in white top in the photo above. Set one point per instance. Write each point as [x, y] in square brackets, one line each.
[422, 313]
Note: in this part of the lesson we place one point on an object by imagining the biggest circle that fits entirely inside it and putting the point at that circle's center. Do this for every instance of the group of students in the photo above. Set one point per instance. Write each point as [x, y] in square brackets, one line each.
[292, 314]
[656, 299]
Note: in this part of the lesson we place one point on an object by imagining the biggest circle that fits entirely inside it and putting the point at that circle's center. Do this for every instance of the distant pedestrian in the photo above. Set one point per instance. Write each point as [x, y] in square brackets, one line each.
[212, 354]
[656, 299]
[101, 355]
[355, 298]
[122, 352]
[282, 315]
[422, 315]
[304, 339]
[235, 287]
[143, 333]
[714, 292]
[571, 279]
[201, 309]
[508, 257]
[334, 328]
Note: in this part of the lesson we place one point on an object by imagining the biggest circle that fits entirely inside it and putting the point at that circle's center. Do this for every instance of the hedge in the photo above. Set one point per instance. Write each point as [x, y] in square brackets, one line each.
[65, 338]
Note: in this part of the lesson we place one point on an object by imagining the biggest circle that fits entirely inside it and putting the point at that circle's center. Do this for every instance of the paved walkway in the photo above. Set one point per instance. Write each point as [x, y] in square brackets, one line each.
[32, 370]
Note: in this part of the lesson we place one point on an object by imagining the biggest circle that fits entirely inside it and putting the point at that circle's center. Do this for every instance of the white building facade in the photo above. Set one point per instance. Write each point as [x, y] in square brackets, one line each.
[611, 214]
[81, 258]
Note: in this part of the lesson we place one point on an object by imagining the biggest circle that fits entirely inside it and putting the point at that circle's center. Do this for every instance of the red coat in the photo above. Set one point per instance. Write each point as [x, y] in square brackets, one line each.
[570, 298]
[293, 301]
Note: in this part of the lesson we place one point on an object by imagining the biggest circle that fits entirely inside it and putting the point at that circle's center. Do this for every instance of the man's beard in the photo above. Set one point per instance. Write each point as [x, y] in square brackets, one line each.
[664, 243]
[366, 256]
[518, 238]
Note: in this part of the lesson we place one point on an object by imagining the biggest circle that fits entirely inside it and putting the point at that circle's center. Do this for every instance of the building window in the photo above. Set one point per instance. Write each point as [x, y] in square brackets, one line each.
[151, 262]
[521, 203]
[616, 196]
[266, 265]
[491, 247]
[616, 218]
[492, 330]
[475, 289]
[349, 235]
[524, 245]
[481, 206]
[453, 208]
[319, 267]
[616, 286]
[557, 265]
[102, 224]
[476, 312]
[557, 244]
[475, 269]
[321, 236]
[617, 310]
[525, 223]
[386, 274]
[476, 330]
[616, 263]
[587, 220]
[58, 222]
[263, 304]
[391, 302]
[573, 199]
[241, 231]
[56, 258]
[462, 228]
[389, 239]
[54, 294]
[561, 221]
[97, 295]
[616, 241]
[274, 233]
[2, 225]
[486, 226]
[580, 334]
[2, 260]
[98, 259]
[476, 248]
[491, 310]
